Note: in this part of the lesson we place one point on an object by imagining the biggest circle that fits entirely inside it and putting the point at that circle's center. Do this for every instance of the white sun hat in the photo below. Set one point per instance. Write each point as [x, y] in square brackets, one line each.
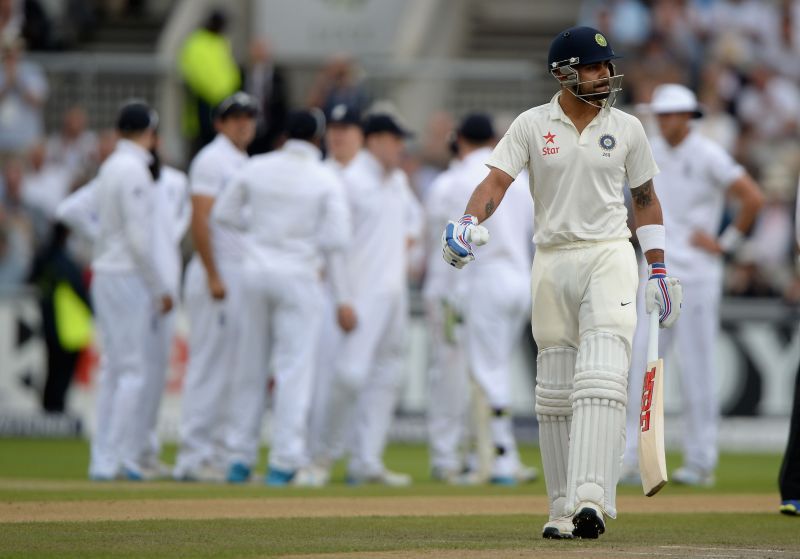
[675, 98]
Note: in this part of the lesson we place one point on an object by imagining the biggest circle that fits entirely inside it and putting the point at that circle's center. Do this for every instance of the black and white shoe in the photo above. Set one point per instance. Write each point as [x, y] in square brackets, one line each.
[588, 521]
[558, 529]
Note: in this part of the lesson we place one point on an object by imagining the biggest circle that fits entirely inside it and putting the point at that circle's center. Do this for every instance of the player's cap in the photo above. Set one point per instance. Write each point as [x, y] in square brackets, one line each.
[344, 114]
[476, 127]
[675, 98]
[136, 116]
[307, 124]
[240, 103]
[579, 45]
[385, 122]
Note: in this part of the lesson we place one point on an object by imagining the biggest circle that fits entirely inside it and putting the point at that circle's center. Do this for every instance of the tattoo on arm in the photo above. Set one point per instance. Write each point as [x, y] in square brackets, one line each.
[489, 207]
[643, 196]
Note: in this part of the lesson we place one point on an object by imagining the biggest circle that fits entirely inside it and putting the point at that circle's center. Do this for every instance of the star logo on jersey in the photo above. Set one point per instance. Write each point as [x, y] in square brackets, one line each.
[549, 139]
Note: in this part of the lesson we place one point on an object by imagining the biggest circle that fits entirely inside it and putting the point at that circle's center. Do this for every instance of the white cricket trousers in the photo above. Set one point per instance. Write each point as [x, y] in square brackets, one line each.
[367, 382]
[126, 314]
[280, 333]
[694, 337]
[448, 386]
[208, 402]
[494, 318]
[584, 317]
[158, 356]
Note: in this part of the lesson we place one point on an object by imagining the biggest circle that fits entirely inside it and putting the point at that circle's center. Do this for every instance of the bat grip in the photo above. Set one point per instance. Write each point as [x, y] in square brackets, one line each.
[652, 338]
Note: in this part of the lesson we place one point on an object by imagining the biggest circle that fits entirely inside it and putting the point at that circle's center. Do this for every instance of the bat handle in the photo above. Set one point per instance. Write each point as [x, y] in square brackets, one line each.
[652, 337]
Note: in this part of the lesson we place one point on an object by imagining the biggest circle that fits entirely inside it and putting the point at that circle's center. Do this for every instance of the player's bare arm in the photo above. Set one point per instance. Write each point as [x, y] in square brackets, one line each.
[746, 192]
[201, 236]
[647, 211]
[488, 194]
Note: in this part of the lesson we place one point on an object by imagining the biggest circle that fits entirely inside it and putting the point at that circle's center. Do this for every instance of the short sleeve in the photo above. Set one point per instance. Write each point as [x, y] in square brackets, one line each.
[640, 166]
[512, 153]
[205, 178]
[723, 169]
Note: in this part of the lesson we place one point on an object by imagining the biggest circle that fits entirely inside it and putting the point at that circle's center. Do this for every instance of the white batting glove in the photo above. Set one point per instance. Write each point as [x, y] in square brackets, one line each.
[456, 239]
[663, 292]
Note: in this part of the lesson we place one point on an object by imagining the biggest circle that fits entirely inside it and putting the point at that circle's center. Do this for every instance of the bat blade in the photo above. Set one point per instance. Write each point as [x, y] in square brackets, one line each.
[652, 459]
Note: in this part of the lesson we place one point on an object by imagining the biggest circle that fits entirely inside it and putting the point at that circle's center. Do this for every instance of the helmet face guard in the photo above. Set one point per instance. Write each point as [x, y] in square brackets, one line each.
[566, 72]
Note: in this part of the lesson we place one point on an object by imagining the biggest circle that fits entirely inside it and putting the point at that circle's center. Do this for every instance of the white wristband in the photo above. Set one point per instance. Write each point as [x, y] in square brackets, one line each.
[731, 239]
[651, 237]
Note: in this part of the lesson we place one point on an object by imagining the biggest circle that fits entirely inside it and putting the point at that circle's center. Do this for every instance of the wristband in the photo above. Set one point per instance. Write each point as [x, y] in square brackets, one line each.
[731, 239]
[651, 237]
[657, 270]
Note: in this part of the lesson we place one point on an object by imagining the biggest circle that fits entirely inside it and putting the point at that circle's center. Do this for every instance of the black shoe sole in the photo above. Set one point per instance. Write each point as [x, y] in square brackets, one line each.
[587, 524]
[555, 534]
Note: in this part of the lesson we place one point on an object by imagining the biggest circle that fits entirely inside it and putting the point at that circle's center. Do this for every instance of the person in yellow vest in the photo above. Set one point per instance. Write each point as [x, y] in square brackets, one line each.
[210, 73]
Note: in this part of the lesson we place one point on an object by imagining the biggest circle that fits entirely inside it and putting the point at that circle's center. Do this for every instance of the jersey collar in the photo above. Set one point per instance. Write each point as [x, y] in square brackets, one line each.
[127, 146]
[303, 148]
[557, 113]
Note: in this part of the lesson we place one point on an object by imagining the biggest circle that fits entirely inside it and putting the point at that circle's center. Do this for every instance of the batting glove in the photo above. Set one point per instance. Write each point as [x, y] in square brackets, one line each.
[456, 239]
[663, 292]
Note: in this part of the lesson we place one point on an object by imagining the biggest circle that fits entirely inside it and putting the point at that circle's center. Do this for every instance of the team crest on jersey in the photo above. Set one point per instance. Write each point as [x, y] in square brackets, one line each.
[549, 139]
[608, 142]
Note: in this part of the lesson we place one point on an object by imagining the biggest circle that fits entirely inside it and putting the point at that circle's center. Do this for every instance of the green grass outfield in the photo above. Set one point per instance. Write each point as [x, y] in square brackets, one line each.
[43, 474]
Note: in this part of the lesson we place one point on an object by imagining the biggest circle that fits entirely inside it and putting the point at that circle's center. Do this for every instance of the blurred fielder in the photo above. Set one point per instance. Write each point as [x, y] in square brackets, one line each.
[385, 216]
[696, 175]
[580, 152]
[129, 291]
[212, 295]
[171, 212]
[298, 215]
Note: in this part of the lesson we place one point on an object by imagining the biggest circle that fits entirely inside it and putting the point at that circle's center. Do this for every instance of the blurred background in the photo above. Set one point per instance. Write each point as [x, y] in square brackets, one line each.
[435, 60]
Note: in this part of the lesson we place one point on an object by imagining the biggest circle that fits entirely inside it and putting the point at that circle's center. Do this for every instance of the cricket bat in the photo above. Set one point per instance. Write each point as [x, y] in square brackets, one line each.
[652, 460]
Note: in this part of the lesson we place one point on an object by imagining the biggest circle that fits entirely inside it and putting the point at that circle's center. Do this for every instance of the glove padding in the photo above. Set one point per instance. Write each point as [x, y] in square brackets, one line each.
[663, 292]
[456, 239]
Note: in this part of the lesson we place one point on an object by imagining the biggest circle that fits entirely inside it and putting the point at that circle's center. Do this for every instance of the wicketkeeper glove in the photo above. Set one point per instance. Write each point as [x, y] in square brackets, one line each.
[664, 292]
[456, 239]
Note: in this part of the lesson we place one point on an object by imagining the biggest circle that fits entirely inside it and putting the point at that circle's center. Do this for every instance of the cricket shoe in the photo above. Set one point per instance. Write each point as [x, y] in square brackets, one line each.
[526, 474]
[312, 475]
[791, 507]
[559, 529]
[238, 473]
[470, 478]
[155, 470]
[688, 475]
[445, 475]
[386, 477]
[205, 473]
[588, 521]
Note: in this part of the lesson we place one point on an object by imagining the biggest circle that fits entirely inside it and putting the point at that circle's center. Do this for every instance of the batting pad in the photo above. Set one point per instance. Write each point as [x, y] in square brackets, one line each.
[598, 426]
[555, 368]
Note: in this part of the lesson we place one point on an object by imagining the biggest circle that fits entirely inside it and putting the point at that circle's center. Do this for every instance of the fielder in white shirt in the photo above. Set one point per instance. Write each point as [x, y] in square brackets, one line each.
[696, 177]
[580, 152]
[344, 140]
[212, 294]
[494, 320]
[172, 212]
[129, 291]
[385, 216]
[298, 217]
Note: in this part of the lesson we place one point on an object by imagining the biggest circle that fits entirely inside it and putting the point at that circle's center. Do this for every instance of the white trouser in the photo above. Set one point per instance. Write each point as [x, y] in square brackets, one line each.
[448, 386]
[695, 336]
[329, 342]
[367, 381]
[125, 313]
[158, 356]
[584, 318]
[214, 332]
[280, 331]
[493, 325]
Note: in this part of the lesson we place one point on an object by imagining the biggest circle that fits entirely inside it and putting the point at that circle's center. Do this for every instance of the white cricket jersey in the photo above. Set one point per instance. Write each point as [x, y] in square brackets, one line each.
[125, 197]
[510, 227]
[385, 214]
[209, 173]
[691, 187]
[297, 206]
[576, 180]
[440, 206]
